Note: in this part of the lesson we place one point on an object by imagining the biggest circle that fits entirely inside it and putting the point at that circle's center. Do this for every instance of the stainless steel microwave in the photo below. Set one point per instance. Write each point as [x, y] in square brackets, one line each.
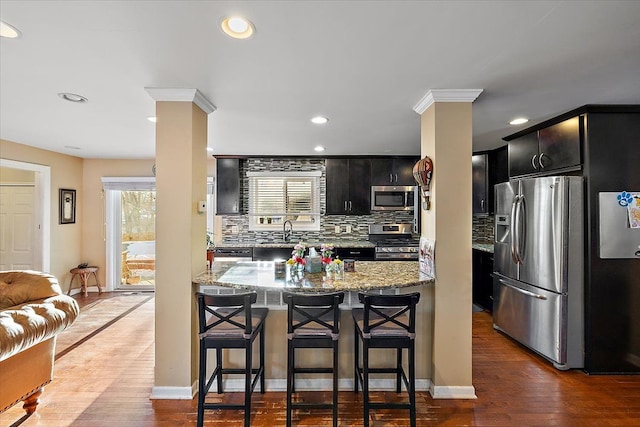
[393, 198]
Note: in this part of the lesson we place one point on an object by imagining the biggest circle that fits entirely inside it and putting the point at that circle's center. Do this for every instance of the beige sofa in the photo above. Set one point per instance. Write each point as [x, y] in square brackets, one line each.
[33, 311]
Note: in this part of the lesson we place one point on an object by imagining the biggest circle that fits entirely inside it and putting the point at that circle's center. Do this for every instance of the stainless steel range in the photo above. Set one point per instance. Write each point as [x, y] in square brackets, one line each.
[394, 242]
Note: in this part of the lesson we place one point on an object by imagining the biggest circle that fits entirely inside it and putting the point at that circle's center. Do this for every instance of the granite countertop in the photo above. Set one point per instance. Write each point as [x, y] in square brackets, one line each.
[260, 275]
[291, 244]
[485, 247]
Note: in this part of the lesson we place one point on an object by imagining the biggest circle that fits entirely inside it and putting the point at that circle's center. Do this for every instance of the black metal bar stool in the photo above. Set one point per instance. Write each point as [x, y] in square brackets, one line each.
[227, 322]
[313, 321]
[386, 321]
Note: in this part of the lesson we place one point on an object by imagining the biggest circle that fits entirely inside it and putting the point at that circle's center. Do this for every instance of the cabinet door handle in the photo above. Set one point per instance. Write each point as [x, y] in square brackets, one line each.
[396, 178]
[482, 204]
[533, 161]
[391, 178]
[349, 205]
[345, 205]
[540, 161]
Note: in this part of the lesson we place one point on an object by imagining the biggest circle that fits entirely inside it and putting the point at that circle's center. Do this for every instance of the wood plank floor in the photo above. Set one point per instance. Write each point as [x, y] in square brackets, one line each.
[104, 374]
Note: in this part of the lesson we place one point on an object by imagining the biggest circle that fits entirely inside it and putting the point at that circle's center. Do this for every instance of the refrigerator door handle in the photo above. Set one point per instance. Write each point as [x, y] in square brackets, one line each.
[512, 230]
[522, 291]
[522, 228]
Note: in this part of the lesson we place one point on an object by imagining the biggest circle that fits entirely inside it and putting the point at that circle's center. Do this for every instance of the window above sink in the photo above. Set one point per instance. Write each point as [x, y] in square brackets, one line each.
[275, 197]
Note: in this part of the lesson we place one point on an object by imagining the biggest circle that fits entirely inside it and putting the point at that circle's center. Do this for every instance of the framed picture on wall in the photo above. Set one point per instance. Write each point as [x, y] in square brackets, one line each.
[67, 206]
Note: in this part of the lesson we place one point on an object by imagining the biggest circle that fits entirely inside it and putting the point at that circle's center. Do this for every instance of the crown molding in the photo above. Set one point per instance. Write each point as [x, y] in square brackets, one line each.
[183, 95]
[446, 95]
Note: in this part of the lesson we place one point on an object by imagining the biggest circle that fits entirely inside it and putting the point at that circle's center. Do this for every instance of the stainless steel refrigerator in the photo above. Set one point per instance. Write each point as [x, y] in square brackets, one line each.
[539, 266]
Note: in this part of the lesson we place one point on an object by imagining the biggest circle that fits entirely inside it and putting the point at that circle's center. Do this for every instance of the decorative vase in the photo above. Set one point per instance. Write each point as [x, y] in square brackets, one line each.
[296, 271]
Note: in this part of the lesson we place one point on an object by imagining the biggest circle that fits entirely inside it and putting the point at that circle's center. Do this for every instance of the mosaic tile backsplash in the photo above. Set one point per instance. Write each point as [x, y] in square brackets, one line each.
[483, 229]
[359, 224]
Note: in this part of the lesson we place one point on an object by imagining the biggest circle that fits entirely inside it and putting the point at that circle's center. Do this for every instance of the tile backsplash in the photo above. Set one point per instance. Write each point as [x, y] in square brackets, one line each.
[359, 223]
[483, 229]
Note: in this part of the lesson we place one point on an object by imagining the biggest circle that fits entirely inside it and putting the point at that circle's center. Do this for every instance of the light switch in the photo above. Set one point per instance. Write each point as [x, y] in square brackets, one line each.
[202, 206]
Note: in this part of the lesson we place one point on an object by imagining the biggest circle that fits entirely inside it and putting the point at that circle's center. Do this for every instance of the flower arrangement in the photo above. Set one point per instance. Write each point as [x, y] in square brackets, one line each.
[297, 255]
[326, 250]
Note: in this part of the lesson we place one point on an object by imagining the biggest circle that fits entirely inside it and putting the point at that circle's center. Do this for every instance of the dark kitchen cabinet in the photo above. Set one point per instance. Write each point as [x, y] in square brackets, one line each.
[393, 171]
[482, 279]
[549, 149]
[348, 186]
[270, 254]
[359, 254]
[228, 186]
[480, 184]
[488, 169]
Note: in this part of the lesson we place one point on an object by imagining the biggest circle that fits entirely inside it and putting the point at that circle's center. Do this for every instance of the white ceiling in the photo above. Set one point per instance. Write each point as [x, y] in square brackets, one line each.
[364, 64]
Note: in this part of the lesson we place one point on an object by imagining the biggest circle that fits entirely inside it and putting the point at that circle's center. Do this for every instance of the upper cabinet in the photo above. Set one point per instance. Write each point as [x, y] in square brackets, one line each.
[228, 186]
[393, 171]
[488, 169]
[348, 186]
[549, 149]
[480, 186]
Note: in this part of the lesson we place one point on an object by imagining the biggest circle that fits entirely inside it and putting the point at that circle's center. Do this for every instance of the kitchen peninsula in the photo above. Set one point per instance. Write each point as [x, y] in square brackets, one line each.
[261, 276]
[387, 277]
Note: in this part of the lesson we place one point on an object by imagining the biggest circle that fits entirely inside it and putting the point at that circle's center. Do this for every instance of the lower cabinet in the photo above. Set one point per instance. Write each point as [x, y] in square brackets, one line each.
[483, 279]
[270, 254]
[359, 254]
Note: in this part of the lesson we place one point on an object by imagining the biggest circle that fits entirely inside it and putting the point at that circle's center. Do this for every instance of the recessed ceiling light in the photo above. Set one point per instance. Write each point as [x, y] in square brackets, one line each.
[72, 97]
[319, 148]
[152, 119]
[518, 121]
[237, 27]
[8, 31]
[319, 120]
[209, 149]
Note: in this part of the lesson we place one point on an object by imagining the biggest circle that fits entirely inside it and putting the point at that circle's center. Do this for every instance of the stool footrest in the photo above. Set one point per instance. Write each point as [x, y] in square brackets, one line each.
[313, 370]
[223, 406]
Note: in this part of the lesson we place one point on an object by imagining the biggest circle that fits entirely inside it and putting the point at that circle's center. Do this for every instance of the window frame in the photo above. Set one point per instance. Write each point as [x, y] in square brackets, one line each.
[278, 218]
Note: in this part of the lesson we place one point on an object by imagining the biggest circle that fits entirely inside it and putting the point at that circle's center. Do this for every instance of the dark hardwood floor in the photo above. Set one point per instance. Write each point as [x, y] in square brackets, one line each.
[104, 374]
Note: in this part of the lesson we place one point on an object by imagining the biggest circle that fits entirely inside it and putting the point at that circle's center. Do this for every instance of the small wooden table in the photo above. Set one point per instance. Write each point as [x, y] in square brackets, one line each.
[84, 274]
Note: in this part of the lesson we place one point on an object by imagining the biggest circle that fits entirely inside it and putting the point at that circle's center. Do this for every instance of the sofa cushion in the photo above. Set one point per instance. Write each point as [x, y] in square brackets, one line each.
[35, 322]
[19, 287]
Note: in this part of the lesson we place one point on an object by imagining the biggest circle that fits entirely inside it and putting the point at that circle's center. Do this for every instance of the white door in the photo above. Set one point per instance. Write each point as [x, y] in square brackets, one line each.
[17, 228]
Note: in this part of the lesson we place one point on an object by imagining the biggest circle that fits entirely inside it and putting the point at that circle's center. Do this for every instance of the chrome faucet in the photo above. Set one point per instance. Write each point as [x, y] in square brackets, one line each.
[286, 231]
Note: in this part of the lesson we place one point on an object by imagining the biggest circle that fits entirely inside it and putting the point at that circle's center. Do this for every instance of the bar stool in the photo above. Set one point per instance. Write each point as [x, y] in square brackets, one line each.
[313, 321]
[227, 322]
[386, 321]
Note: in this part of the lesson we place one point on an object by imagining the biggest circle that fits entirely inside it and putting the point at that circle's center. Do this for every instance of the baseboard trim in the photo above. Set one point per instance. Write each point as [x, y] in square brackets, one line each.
[325, 384]
[174, 393]
[452, 392]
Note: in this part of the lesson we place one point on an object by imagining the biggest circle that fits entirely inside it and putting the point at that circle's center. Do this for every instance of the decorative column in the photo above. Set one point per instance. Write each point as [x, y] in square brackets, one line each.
[181, 182]
[446, 123]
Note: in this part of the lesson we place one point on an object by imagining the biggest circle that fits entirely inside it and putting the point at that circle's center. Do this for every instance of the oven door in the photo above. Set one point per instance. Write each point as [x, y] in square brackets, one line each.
[390, 198]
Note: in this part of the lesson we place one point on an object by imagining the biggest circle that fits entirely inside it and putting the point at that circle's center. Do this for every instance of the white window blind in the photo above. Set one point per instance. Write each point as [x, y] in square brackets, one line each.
[141, 183]
[275, 197]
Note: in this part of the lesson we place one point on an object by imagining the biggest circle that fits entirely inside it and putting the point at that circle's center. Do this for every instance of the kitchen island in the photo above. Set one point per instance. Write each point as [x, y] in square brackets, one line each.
[387, 277]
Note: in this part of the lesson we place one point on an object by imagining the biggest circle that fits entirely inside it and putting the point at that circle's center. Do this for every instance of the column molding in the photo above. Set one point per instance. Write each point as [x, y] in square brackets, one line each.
[181, 95]
[445, 95]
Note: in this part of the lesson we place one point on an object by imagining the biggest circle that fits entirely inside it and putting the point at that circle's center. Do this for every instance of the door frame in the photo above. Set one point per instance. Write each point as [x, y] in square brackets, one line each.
[42, 211]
